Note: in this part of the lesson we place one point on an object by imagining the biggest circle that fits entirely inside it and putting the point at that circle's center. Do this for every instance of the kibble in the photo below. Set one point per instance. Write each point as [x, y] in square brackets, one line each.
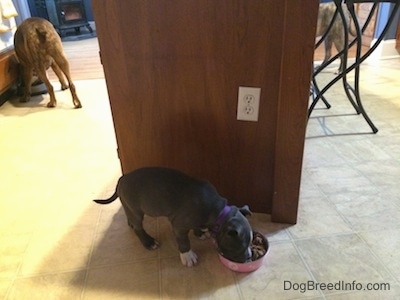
[258, 247]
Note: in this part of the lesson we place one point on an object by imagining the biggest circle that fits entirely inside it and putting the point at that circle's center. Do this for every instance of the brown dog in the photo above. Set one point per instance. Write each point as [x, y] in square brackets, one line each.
[336, 33]
[38, 47]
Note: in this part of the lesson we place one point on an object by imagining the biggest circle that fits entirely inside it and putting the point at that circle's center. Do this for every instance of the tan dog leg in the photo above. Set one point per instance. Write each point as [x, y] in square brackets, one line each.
[62, 63]
[41, 73]
[60, 75]
[339, 45]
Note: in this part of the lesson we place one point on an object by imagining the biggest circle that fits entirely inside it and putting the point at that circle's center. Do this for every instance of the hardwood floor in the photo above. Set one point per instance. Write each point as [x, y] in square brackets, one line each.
[84, 60]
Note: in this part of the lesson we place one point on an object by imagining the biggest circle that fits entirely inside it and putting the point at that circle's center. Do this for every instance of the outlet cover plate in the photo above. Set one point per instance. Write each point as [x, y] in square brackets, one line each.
[248, 103]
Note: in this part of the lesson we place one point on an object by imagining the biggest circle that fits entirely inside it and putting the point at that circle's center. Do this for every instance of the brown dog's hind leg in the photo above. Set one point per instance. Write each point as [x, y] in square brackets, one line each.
[62, 63]
[339, 45]
[41, 73]
[328, 49]
[27, 73]
[60, 75]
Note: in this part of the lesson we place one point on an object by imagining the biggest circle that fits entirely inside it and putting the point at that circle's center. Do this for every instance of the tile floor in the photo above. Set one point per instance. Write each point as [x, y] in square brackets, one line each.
[56, 244]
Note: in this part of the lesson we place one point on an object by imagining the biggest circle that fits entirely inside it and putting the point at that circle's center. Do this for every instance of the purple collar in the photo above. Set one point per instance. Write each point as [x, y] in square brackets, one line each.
[220, 220]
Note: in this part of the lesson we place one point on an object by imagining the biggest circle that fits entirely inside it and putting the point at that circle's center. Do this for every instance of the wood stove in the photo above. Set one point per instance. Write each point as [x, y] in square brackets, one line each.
[67, 14]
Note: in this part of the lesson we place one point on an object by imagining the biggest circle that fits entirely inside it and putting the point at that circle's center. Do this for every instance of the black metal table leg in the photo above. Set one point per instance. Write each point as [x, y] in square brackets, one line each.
[349, 90]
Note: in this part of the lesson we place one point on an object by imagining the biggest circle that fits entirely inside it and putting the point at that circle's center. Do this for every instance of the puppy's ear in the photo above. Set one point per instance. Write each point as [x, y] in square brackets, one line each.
[245, 210]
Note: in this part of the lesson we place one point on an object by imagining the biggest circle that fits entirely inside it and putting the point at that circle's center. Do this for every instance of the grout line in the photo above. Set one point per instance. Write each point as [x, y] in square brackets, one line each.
[379, 260]
[309, 271]
[84, 287]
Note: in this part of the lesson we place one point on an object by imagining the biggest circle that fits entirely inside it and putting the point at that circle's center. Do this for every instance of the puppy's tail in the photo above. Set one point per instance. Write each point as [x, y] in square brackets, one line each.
[107, 201]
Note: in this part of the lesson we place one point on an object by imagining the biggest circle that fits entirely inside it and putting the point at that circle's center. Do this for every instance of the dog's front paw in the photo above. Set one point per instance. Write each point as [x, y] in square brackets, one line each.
[189, 258]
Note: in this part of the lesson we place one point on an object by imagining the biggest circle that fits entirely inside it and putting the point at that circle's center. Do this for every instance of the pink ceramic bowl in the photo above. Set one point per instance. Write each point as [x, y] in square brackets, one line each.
[247, 266]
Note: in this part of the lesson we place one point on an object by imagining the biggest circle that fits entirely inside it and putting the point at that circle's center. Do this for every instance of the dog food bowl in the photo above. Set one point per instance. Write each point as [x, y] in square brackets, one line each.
[247, 266]
[38, 87]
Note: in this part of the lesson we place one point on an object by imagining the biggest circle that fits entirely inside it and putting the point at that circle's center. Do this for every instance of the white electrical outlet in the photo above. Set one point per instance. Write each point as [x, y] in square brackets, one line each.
[248, 103]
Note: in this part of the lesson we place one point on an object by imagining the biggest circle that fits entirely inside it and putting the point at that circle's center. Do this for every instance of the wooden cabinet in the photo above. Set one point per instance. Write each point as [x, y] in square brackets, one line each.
[8, 70]
[173, 69]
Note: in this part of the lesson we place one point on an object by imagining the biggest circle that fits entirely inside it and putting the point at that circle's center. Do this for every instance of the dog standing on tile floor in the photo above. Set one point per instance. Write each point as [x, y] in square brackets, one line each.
[188, 203]
[336, 33]
[38, 47]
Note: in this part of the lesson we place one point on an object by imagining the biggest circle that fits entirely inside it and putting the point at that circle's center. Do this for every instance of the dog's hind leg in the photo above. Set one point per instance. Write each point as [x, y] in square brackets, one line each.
[41, 73]
[60, 75]
[27, 73]
[135, 220]
[62, 63]
[339, 45]
[328, 49]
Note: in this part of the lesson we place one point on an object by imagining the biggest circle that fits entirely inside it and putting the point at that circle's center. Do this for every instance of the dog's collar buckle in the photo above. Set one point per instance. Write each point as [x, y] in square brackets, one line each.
[220, 220]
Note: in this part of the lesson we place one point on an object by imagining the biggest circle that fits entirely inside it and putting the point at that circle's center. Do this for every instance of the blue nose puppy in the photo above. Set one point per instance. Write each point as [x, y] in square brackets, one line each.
[189, 204]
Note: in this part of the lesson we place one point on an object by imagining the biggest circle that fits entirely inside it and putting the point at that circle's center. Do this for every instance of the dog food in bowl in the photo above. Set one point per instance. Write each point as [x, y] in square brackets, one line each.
[259, 249]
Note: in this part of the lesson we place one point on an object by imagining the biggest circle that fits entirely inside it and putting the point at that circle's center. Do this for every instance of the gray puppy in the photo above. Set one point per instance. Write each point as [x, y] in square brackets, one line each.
[188, 203]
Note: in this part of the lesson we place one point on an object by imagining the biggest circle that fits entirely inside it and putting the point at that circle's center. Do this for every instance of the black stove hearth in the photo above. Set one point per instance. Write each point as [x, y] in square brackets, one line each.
[64, 14]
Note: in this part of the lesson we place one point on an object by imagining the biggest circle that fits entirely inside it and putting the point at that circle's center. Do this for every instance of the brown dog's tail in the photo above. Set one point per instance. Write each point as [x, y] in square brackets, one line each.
[42, 35]
[107, 201]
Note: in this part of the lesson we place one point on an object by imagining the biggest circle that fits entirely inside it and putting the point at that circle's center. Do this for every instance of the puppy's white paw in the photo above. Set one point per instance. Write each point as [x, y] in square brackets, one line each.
[189, 258]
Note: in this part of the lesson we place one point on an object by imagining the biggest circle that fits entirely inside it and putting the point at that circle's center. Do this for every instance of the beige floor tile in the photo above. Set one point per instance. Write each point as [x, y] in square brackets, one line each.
[119, 244]
[342, 258]
[339, 179]
[57, 286]
[12, 249]
[11, 223]
[279, 277]
[139, 280]
[362, 150]
[112, 217]
[390, 143]
[308, 189]
[68, 214]
[317, 154]
[57, 252]
[370, 212]
[4, 287]
[209, 279]
[381, 172]
[386, 246]
[318, 217]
